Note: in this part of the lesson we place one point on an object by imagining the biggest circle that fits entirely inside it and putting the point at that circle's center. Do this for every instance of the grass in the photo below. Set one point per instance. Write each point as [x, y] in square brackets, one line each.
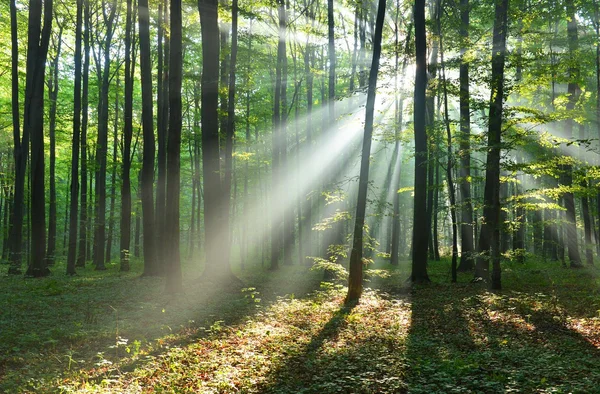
[107, 332]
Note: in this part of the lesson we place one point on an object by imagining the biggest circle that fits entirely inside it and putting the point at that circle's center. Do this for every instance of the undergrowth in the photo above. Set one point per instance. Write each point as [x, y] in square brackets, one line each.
[282, 333]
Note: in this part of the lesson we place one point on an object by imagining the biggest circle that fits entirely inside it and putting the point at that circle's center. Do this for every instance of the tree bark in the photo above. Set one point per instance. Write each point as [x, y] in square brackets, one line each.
[33, 125]
[74, 203]
[420, 236]
[102, 142]
[355, 279]
[174, 278]
[83, 219]
[125, 224]
[151, 267]
[217, 267]
[489, 241]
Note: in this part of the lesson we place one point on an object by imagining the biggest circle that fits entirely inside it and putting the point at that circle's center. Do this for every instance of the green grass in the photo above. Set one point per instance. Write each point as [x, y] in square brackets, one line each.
[106, 332]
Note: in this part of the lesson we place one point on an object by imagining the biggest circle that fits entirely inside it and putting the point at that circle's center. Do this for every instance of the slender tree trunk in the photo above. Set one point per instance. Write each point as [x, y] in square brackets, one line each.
[151, 267]
[573, 90]
[162, 131]
[174, 278]
[277, 220]
[113, 180]
[102, 144]
[355, 278]
[72, 250]
[230, 127]
[489, 241]
[83, 219]
[449, 162]
[53, 96]
[125, 224]
[20, 153]
[466, 226]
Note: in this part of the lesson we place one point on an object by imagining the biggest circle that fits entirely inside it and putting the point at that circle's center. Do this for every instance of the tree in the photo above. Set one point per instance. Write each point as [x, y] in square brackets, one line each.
[38, 40]
[53, 96]
[20, 155]
[150, 262]
[72, 251]
[217, 267]
[102, 140]
[356, 256]
[466, 226]
[489, 240]
[174, 278]
[420, 229]
[83, 216]
[125, 240]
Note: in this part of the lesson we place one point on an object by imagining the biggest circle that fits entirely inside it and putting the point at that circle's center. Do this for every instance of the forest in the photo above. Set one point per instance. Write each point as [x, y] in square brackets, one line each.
[300, 196]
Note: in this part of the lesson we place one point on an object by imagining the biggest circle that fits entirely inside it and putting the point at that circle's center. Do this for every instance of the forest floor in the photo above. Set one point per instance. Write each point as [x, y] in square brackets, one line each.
[287, 333]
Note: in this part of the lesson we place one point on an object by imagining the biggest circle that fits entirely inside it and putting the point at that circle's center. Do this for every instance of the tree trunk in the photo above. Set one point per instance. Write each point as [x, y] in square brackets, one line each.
[230, 127]
[420, 236]
[21, 152]
[74, 203]
[489, 241]
[52, 96]
[162, 132]
[277, 220]
[355, 278]
[466, 226]
[449, 161]
[174, 278]
[573, 90]
[33, 125]
[83, 219]
[102, 144]
[151, 267]
[125, 224]
[217, 266]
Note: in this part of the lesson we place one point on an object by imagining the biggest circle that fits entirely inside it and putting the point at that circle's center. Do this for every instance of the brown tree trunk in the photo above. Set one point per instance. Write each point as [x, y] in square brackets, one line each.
[83, 219]
[74, 203]
[489, 241]
[125, 224]
[355, 278]
[151, 267]
[420, 236]
[174, 278]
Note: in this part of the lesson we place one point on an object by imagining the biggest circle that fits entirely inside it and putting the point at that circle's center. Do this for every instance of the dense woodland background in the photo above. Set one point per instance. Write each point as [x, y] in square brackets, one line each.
[233, 134]
[218, 140]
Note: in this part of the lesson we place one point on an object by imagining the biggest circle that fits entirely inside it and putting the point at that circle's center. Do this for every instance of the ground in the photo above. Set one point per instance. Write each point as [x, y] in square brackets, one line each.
[287, 333]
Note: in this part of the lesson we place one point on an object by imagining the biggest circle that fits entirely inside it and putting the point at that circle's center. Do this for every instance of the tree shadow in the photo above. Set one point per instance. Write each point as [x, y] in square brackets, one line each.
[468, 340]
[346, 355]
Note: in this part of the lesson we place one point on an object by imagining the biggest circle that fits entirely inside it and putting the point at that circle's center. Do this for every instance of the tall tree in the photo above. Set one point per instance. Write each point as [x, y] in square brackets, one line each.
[489, 238]
[150, 262]
[174, 278]
[420, 229]
[573, 91]
[466, 225]
[37, 51]
[53, 96]
[278, 135]
[125, 240]
[102, 140]
[83, 216]
[74, 202]
[19, 154]
[356, 256]
[217, 267]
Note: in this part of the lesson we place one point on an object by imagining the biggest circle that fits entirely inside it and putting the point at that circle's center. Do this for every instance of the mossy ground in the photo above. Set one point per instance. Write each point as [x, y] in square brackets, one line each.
[284, 333]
